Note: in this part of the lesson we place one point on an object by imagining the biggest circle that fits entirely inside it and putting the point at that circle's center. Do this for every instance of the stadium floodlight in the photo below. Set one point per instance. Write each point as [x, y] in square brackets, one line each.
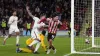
[85, 18]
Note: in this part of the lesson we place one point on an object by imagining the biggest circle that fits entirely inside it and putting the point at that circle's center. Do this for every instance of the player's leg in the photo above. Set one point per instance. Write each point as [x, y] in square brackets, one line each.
[51, 45]
[17, 36]
[31, 46]
[26, 31]
[5, 39]
[87, 40]
[30, 31]
[87, 32]
[18, 50]
[17, 39]
[36, 41]
[8, 36]
[69, 32]
[44, 46]
[16, 30]
[25, 50]
[3, 31]
[42, 41]
[49, 49]
[37, 47]
[50, 39]
[28, 42]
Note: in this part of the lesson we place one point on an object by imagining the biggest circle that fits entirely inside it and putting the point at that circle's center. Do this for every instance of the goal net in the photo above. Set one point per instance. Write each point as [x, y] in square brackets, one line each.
[85, 27]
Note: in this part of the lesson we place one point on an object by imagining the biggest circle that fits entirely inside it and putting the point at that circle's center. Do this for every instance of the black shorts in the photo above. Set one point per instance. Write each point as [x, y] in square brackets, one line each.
[4, 28]
[51, 36]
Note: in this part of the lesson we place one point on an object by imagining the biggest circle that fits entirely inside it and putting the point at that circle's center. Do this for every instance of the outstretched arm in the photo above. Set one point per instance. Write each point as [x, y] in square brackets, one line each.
[30, 14]
[60, 22]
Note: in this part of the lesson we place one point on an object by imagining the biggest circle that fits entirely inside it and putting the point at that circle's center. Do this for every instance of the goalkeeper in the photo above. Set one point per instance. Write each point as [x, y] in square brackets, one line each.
[29, 42]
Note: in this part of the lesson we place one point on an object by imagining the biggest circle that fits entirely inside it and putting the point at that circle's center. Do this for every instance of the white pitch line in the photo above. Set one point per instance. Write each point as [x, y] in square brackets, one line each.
[76, 52]
[68, 54]
[86, 49]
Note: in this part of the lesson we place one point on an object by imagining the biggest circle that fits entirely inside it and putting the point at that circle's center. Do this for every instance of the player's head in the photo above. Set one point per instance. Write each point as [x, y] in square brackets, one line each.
[42, 16]
[55, 16]
[14, 13]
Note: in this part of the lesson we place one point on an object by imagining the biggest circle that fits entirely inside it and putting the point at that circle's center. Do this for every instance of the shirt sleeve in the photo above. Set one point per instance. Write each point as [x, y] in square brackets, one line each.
[41, 25]
[10, 20]
[48, 19]
[35, 18]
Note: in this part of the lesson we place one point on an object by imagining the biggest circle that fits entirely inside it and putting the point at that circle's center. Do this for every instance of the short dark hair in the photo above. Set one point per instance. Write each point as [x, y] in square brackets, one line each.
[42, 14]
[54, 14]
[14, 10]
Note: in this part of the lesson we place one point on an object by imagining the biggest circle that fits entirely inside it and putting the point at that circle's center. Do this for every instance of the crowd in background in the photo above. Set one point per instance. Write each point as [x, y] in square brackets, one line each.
[97, 19]
[37, 7]
[81, 8]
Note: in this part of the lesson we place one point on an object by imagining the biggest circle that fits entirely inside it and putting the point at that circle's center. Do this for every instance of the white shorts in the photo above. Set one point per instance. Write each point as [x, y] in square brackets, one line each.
[35, 34]
[11, 30]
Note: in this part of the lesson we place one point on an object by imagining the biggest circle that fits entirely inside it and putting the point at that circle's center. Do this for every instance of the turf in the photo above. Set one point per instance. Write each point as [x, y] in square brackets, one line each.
[62, 44]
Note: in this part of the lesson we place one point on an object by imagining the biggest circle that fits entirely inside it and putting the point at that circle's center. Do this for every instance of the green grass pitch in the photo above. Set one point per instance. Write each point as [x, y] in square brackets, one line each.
[62, 44]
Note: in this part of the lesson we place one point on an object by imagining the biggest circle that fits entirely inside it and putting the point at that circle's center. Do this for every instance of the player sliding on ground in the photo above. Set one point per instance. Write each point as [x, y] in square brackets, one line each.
[35, 31]
[13, 21]
[29, 41]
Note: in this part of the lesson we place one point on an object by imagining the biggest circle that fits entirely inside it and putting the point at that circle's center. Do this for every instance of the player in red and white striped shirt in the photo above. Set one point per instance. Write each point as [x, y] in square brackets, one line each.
[52, 30]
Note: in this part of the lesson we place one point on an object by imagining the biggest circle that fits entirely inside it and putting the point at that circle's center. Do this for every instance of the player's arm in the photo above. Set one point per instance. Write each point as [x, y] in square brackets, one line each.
[20, 20]
[42, 25]
[45, 25]
[48, 19]
[10, 21]
[60, 22]
[30, 14]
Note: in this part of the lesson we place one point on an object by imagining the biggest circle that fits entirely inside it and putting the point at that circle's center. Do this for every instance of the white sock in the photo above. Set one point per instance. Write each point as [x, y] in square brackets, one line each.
[17, 40]
[6, 37]
[34, 42]
[37, 46]
[48, 51]
[55, 51]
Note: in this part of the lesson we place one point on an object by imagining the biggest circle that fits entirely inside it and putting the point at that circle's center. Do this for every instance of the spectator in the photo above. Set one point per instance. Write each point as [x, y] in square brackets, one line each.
[37, 9]
[4, 25]
[42, 6]
[28, 25]
[58, 9]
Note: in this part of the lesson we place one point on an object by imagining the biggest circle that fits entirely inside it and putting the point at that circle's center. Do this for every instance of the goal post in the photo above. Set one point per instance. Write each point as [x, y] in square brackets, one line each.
[93, 3]
[72, 26]
[84, 27]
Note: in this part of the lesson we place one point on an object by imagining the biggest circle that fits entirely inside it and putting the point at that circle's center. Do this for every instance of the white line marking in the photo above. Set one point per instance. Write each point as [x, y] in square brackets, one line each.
[68, 54]
[80, 51]
[86, 49]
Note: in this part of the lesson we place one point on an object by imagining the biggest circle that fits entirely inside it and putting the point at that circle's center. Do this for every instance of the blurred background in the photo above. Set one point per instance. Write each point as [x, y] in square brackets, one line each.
[37, 7]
